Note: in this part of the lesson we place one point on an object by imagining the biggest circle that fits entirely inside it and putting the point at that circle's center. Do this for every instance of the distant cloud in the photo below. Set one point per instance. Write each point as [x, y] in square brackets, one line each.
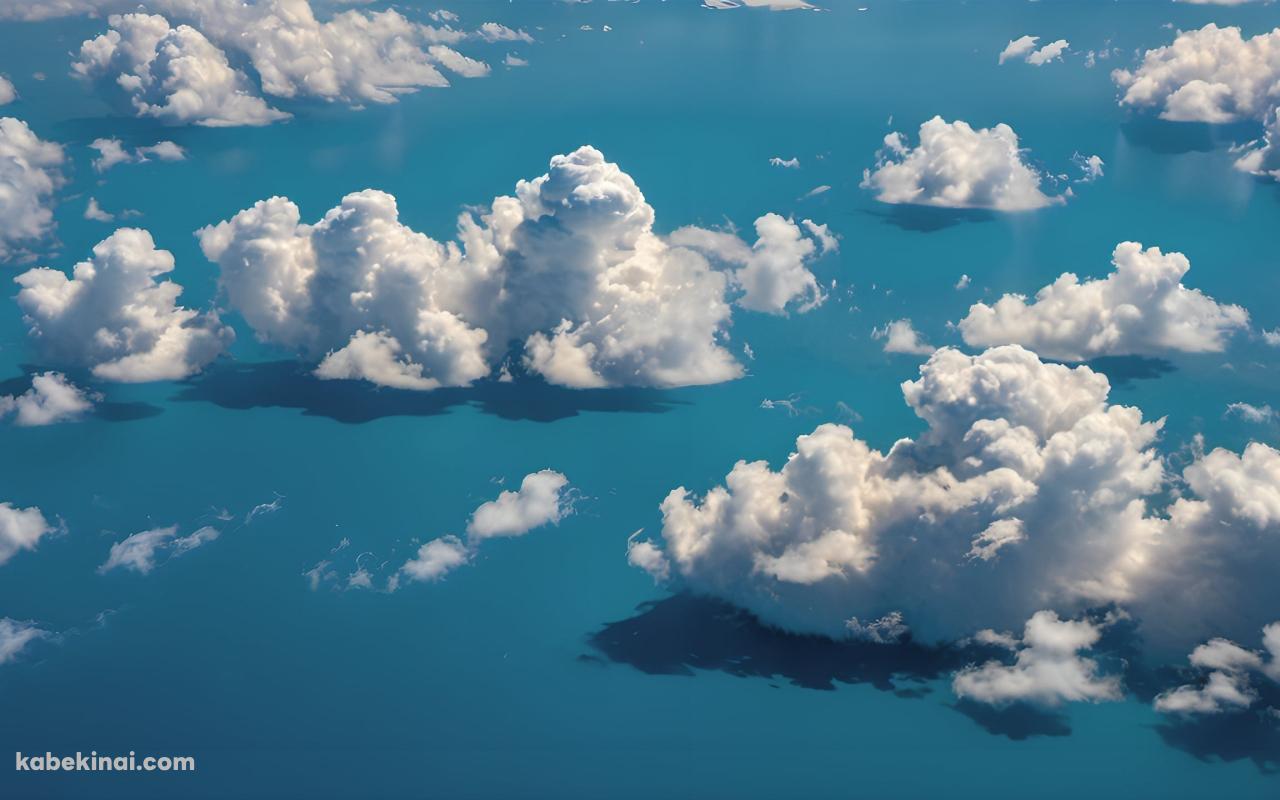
[112, 152]
[30, 173]
[1252, 413]
[140, 552]
[1024, 47]
[16, 635]
[1228, 671]
[786, 163]
[900, 337]
[51, 399]
[20, 529]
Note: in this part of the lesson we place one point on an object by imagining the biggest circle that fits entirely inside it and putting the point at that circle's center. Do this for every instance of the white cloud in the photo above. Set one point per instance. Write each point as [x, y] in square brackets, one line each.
[1262, 158]
[1018, 48]
[437, 558]
[1090, 166]
[900, 337]
[115, 316]
[539, 501]
[513, 60]
[1228, 684]
[1252, 413]
[645, 555]
[139, 552]
[1208, 75]
[569, 268]
[956, 166]
[1048, 668]
[173, 74]
[1050, 52]
[496, 32]
[1140, 308]
[15, 635]
[51, 398]
[30, 172]
[772, 5]
[1272, 337]
[7, 91]
[95, 212]
[112, 152]
[786, 163]
[20, 529]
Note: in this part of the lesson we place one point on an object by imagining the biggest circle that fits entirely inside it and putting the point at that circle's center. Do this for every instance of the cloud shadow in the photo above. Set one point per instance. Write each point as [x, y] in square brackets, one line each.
[1174, 138]
[289, 384]
[1122, 371]
[1249, 735]
[1016, 721]
[928, 219]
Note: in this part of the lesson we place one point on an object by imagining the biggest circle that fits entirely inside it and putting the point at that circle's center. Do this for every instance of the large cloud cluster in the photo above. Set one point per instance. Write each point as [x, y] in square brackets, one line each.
[569, 270]
[116, 317]
[174, 74]
[30, 172]
[1027, 491]
[957, 166]
[1208, 75]
[1140, 308]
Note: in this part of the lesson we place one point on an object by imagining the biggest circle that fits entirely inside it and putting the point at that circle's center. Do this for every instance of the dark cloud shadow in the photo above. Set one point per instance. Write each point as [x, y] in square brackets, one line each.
[927, 219]
[289, 384]
[1250, 735]
[684, 633]
[1122, 371]
[1173, 138]
[103, 409]
[1017, 721]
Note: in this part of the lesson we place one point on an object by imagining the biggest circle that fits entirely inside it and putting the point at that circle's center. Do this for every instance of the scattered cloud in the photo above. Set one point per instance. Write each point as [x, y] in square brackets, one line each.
[900, 337]
[16, 635]
[112, 152]
[30, 172]
[51, 399]
[140, 552]
[20, 529]
[1228, 671]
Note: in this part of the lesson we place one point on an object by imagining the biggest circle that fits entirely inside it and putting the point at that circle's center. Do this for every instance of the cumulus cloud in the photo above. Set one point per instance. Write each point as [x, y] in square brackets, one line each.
[496, 32]
[20, 529]
[1024, 47]
[140, 552]
[1208, 75]
[7, 91]
[15, 636]
[95, 212]
[542, 499]
[900, 337]
[1228, 671]
[51, 398]
[173, 74]
[1027, 491]
[30, 172]
[645, 555]
[115, 316]
[1050, 52]
[1262, 158]
[1048, 668]
[1090, 167]
[1251, 413]
[569, 269]
[112, 152]
[1018, 48]
[1140, 308]
[957, 166]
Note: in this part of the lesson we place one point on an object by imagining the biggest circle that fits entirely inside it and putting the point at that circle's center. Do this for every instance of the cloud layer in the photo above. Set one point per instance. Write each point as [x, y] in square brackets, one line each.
[1140, 308]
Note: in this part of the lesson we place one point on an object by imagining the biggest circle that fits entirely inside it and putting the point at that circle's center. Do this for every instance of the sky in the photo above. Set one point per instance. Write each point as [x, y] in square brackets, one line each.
[550, 399]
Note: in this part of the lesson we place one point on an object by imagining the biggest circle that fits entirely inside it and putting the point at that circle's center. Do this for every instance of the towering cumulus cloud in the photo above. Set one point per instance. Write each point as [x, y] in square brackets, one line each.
[1027, 491]
[569, 271]
[1208, 75]
[957, 166]
[114, 316]
[1140, 308]
[30, 172]
[173, 74]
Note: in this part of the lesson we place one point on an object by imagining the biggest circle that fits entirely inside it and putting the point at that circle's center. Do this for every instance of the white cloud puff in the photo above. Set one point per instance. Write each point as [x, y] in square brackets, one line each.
[20, 529]
[1047, 669]
[140, 552]
[539, 501]
[1018, 48]
[900, 336]
[569, 270]
[30, 172]
[1262, 158]
[15, 636]
[1027, 491]
[957, 166]
[436, 558]
[1024, 47]
[115, 316]
[8, 93]
[1208, 75]
[1050, 52]
[1228, 676]
[1140, 308]
[52, 398]
[173, 74]
[112, 152]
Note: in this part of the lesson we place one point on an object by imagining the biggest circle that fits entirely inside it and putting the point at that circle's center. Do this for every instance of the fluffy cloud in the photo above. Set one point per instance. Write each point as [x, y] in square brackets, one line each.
[115, 316]
[1251, 413]
[1208, 75]
[139, 552]
[901, 337]
[956, 166]
[15, 635]
[7, 91]
[569, 269]
[1024, 47]
[645, 555]
[1227, 683]
[542, 499]
[1140, 308]
[51, 398]
[1018, 48]
[1047, 669]
[30, 172]
[112, 152]
[1262, 158]
[1027, 491]
[173, 74]
[20, 529]
[495, 32]
[539, 501]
